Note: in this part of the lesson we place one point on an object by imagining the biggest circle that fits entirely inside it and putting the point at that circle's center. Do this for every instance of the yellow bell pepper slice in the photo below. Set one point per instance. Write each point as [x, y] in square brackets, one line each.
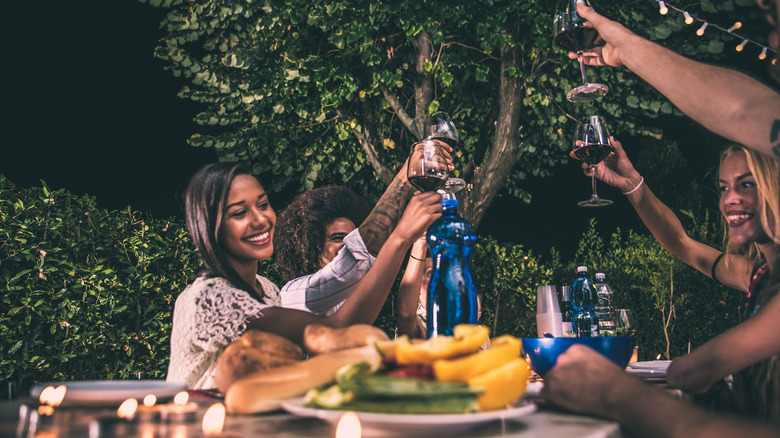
[466, 339]
[502, 385]
[502, 350]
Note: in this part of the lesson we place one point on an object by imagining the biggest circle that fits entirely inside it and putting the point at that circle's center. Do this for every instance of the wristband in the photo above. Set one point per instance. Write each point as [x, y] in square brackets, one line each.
[635, 188]
[419, 260]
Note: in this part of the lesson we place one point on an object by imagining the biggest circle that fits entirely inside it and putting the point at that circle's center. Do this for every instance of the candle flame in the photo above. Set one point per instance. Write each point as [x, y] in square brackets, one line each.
[214, 419]
[46, 395]
[181, 398]
[349, 426]
[56, 397]
[127, 408]
[150, 400]
[45, 410]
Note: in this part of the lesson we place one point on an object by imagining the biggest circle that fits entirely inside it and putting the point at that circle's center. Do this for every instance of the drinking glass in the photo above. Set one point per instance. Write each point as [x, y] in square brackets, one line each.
[440, 126]
[428, 170]
[625, 320]
[575, 34]
[591, 145]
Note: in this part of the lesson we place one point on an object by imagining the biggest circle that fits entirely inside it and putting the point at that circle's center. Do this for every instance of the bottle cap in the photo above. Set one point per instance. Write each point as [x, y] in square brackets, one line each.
[582, 269]
[600, 276]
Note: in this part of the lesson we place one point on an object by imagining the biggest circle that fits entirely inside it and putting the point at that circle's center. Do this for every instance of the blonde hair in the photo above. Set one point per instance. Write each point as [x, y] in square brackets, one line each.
[766, 172]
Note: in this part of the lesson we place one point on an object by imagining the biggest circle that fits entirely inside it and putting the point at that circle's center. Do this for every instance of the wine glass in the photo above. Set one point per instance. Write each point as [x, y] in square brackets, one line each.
[428, 169]
[440, 126]
[575, 34]
[625, 320]
[591, 145]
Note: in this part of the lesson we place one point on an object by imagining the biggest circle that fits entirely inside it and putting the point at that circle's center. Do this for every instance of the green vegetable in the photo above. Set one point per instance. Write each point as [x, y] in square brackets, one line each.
[378, 386]
[330, 396]
[434, 405]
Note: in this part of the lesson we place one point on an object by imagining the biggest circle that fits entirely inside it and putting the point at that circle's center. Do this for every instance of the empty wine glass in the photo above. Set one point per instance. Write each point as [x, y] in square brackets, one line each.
[624, 321]
[440, 126]
[428, 168]
[591, 145]
[575, 34]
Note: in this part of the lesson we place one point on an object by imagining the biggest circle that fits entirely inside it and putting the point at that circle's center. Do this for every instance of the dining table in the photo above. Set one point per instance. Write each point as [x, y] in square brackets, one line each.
[80, 421]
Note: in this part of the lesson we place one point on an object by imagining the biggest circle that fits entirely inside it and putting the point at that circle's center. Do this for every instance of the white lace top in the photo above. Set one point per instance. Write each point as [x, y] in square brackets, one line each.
[207, 316]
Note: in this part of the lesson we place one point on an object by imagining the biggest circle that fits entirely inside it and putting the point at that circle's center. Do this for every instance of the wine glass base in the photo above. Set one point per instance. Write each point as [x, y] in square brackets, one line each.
[453, 185]
[587, 92]
[595, 202]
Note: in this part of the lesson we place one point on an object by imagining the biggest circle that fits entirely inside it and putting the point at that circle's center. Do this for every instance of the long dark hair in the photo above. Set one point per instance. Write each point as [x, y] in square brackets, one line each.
[204, 205]
[300, 229]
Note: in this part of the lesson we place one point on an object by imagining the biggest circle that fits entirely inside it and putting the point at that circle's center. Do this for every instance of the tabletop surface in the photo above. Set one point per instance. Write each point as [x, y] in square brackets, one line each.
[80, 422]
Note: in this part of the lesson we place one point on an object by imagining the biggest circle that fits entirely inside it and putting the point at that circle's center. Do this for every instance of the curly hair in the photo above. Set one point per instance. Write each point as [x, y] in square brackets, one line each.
[300, 228]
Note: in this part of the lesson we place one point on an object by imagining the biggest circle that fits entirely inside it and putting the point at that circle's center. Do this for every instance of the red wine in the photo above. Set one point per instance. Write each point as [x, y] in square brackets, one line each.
[593, 154]
[577, 39]
[427, 183]
[449, 141]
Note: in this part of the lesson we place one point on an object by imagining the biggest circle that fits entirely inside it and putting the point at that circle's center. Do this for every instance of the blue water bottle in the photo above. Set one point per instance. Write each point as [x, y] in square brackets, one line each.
[452, 297]
[584, 298]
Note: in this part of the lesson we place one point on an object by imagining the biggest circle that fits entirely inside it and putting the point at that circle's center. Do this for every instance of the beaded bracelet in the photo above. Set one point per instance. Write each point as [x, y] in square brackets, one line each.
[635, 188]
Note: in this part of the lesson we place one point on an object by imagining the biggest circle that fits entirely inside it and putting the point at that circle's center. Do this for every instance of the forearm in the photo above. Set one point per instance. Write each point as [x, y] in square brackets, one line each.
[365, 303]
[725, 101]
[382, 220]
[668, 230]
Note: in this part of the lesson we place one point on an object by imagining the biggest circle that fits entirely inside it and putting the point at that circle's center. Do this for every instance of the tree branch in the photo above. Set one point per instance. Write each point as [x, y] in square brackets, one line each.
[384, 172]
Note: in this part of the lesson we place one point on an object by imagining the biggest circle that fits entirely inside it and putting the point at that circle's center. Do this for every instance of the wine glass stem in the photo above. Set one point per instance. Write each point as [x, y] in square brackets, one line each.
[593, 181]
[582, 68]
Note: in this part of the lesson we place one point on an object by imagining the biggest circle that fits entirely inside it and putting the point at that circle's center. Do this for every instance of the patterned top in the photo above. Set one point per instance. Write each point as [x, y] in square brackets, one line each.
[324, 291]
[207, 316]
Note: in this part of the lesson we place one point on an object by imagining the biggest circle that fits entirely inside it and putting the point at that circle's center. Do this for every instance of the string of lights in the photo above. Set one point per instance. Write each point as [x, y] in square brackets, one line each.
[663, 9]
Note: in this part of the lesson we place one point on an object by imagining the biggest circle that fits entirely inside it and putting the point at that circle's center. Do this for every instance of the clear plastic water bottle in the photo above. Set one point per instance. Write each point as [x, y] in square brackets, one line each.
[452, 297]
[585, 321]
[567, 311]
[604, 307]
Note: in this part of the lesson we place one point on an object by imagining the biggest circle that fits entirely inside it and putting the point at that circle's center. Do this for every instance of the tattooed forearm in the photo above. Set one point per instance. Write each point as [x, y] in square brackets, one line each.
[385, 216]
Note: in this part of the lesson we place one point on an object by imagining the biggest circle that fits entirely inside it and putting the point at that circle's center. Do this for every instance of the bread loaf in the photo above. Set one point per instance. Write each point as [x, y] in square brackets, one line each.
[319, 339]
[254, 351]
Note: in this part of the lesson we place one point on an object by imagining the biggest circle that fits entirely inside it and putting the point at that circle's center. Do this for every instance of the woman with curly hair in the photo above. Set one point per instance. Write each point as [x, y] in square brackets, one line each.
[311, 229]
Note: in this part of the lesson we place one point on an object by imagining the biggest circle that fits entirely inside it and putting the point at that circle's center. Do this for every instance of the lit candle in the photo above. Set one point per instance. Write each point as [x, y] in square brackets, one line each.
[214, 420]
[180, 411]
[122, 424]
[148, 411]
[349, 426]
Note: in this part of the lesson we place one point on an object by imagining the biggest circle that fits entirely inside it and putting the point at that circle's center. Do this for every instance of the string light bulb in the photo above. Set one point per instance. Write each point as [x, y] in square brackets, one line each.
[734, 27]
[663, 9]
[741, 45]
[762, 56]
[700, 32]
[688, 18]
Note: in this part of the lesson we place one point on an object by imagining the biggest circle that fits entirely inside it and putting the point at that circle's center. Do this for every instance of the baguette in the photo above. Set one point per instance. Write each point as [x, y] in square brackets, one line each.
[266, 390]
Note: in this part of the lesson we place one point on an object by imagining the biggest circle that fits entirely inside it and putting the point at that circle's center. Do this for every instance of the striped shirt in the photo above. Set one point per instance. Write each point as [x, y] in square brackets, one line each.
[324, 291]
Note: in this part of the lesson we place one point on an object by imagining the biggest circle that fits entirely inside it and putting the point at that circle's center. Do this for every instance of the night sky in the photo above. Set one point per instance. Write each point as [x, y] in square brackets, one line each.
[92, 111]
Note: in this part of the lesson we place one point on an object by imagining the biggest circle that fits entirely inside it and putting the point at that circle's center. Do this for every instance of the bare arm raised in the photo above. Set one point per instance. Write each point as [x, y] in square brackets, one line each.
[618, 171]
[365, 303]
[725, 101]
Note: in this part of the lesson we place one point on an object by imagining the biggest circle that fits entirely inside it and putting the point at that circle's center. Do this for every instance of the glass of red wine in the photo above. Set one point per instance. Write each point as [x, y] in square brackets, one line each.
[428, 169]
[575, 34]
[591, 145]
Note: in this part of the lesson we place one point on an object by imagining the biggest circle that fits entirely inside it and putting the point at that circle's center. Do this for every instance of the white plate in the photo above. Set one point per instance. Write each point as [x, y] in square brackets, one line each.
[655, 365]
[405, 422]
[111, 392]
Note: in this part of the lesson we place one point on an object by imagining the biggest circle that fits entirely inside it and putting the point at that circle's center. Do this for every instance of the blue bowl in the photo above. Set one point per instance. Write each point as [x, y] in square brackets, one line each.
[542, 353]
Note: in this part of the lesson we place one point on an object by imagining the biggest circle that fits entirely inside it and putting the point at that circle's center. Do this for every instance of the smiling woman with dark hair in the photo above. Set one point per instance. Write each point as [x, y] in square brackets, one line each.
[232, 225]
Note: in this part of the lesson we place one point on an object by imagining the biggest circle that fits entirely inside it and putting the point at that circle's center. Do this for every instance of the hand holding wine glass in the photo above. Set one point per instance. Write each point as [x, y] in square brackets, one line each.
[440, 127]
[591, 145]
[617, 170]
[575, 34]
